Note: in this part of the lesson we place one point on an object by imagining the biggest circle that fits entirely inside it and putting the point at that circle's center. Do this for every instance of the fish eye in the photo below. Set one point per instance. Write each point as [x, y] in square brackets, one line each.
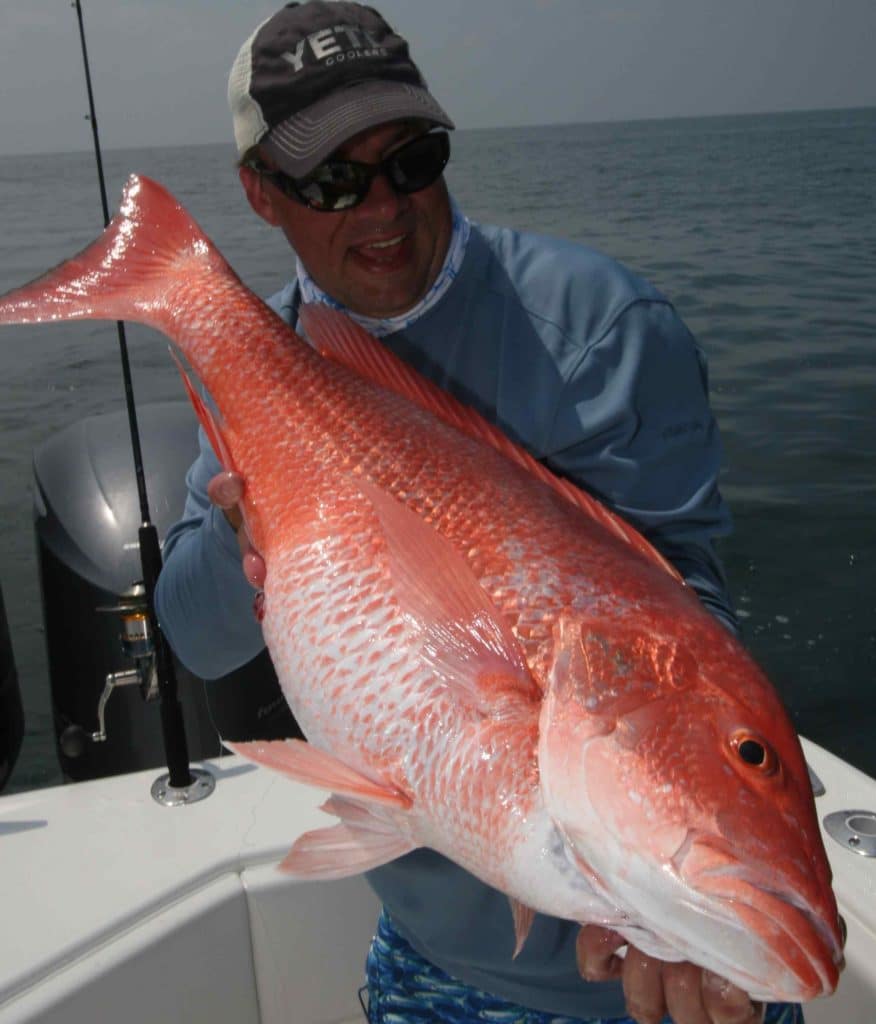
[755, 752]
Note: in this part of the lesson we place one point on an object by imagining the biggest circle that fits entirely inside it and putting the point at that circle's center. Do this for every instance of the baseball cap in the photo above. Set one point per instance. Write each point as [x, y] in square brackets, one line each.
[315, 74]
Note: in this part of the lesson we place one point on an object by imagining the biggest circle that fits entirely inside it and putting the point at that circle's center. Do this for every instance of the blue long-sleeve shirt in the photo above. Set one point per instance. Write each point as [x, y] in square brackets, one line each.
[589, 368]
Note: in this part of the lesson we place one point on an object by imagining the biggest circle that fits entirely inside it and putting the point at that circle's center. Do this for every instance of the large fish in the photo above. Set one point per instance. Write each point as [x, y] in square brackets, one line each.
[485, 660]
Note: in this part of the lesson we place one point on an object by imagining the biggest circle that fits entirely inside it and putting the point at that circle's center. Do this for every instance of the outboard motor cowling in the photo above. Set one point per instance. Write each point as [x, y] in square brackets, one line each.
[87, 518]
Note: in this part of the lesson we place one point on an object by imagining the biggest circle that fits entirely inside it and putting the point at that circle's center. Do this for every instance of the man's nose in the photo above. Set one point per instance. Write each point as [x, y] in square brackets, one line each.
[382, 198]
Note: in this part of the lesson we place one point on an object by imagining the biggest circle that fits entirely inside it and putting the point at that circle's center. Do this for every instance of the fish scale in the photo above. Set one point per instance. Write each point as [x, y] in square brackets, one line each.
[478, 834]
[484, 659]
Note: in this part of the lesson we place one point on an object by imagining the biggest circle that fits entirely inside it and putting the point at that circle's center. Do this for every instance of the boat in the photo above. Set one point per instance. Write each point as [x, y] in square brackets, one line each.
[123, 909]
[127, 897]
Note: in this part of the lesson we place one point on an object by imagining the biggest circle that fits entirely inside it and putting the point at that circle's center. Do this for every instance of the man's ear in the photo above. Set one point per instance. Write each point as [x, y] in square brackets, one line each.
[258, 195]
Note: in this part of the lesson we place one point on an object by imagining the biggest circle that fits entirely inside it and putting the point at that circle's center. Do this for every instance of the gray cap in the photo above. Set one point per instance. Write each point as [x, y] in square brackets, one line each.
[315, 74]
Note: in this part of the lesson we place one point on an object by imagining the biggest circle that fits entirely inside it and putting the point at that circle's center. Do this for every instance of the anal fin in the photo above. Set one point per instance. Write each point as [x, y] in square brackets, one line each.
[365, 838]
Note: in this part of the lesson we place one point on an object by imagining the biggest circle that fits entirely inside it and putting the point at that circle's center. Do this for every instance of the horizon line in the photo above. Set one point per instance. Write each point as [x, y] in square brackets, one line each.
[85, 148]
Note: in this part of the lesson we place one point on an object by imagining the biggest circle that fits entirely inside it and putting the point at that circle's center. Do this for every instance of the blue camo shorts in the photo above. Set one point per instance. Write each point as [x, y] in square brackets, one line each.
[403, 988]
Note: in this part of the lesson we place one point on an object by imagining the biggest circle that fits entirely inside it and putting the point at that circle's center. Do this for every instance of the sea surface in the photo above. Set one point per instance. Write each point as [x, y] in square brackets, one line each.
[762, 230]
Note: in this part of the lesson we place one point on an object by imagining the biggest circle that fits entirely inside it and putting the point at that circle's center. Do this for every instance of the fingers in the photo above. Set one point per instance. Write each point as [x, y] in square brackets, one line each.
[653, 988]
[254, 567]
[225, 489]
[682, 987]
[690, 995]
[594, 949]
[642, 979]
[726, 1004]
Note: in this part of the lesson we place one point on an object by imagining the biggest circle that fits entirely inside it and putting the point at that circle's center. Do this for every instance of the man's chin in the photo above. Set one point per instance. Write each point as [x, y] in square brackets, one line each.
[381, 303]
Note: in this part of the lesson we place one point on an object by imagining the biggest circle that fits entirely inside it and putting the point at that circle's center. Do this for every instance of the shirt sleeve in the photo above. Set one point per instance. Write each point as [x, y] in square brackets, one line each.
[634, 427]
[203, 601]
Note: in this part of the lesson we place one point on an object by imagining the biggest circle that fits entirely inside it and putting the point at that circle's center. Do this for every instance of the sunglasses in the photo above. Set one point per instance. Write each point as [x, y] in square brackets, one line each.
[342, 184]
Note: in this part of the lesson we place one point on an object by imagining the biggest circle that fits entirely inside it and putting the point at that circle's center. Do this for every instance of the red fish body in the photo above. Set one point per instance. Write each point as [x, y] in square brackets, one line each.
[484, 660]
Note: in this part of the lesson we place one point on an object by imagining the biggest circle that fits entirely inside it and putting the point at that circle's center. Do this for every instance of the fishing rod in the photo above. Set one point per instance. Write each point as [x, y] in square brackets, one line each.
[172, 725]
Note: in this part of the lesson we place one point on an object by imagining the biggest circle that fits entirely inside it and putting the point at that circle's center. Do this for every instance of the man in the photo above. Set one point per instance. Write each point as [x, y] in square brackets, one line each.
[342, 147]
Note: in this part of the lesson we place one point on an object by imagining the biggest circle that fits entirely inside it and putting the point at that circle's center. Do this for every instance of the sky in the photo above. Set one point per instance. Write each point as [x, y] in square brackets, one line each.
[159, 67]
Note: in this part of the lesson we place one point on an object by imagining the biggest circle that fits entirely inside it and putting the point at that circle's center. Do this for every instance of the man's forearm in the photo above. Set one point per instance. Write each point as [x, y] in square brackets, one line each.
[203, 600]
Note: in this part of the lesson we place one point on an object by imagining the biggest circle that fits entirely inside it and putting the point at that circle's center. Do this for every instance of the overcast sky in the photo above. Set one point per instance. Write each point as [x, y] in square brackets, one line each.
[159, 67]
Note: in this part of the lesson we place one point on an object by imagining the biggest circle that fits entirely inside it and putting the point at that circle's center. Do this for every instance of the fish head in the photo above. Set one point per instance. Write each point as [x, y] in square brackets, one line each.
[678, 783]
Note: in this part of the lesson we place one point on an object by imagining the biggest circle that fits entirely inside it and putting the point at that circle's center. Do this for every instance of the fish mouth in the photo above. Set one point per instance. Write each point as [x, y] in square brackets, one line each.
[799, 952]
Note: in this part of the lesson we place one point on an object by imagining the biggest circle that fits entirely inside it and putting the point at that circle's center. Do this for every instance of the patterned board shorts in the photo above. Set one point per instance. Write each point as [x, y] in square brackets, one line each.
[403, 988]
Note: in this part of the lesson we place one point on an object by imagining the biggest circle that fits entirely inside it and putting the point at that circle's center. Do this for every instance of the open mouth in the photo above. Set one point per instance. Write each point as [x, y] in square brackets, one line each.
[388, 243]
[387, 253]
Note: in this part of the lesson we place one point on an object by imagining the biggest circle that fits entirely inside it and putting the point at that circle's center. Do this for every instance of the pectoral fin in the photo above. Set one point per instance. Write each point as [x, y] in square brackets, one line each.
[465, 637]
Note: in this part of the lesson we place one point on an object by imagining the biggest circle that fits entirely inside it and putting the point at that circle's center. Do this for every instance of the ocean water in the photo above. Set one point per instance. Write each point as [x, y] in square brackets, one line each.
[762, 229]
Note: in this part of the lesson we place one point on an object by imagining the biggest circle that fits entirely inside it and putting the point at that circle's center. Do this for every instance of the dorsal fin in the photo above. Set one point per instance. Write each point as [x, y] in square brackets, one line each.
[338, 338]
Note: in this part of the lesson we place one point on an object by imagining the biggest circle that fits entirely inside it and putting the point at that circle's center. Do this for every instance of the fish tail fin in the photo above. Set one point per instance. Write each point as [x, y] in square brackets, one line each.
[127, 273]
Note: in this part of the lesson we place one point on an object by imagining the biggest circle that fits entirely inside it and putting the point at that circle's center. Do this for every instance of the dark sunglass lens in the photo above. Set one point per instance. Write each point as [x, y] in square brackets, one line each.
[342, 184]
[419, 163]
[321, 195]
[334, 185]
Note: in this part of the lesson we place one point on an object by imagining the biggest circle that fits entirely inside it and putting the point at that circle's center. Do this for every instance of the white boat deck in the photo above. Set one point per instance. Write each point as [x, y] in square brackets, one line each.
[115, 908]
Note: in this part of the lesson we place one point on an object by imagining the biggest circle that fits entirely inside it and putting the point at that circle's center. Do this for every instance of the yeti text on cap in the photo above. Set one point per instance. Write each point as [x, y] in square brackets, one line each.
[324, 44]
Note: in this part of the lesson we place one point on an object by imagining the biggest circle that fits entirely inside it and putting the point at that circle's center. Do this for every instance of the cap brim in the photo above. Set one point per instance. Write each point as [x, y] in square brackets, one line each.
[302, 142]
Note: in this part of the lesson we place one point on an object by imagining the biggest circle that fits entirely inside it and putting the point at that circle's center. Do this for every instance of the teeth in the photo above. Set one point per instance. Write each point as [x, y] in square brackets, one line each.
[386, 244]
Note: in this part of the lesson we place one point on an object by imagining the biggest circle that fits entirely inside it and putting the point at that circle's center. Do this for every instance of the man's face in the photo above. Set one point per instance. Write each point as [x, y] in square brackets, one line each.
[378, 258]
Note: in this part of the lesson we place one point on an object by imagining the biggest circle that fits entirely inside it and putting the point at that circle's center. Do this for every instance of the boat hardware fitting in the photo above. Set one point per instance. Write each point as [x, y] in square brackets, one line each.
[817, 785]
[853, 830]
[202, 785]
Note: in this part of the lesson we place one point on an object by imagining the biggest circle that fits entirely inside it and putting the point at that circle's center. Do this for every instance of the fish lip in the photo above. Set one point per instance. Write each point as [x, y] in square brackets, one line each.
[789, 925]
[785, 915]
[793, 916]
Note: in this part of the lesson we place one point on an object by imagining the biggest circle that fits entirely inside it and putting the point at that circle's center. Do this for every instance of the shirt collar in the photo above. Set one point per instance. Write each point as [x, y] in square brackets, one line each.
[381, 326]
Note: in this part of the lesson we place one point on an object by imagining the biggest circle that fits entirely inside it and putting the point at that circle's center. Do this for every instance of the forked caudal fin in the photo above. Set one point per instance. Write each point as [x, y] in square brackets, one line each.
[127, 272]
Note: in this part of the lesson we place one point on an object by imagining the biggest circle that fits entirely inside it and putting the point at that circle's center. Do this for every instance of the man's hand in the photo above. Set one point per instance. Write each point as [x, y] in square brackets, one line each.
[653, 988]
[225, 490]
